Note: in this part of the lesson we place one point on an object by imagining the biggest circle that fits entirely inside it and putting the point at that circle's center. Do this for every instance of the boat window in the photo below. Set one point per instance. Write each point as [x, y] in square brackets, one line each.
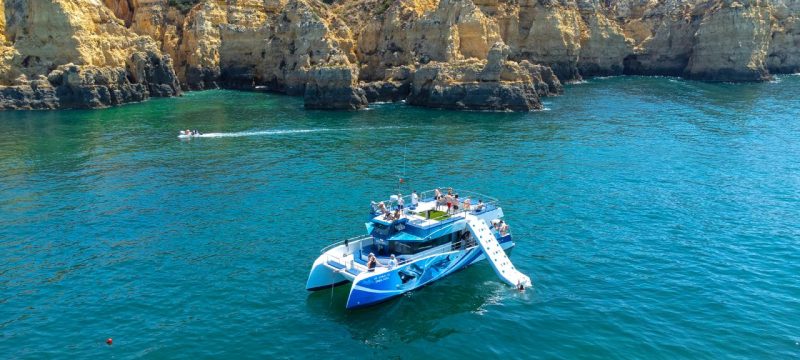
[382, 230]
[413, 247]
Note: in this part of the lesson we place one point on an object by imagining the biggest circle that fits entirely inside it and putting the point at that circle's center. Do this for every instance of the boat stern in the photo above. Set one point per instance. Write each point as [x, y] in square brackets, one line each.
[323, 275]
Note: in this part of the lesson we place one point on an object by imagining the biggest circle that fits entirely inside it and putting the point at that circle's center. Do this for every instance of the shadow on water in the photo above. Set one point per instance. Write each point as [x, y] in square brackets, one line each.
[421, 314]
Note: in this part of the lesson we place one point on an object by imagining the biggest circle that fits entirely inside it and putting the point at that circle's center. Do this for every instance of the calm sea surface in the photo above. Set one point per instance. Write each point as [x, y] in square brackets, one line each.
[659, 218]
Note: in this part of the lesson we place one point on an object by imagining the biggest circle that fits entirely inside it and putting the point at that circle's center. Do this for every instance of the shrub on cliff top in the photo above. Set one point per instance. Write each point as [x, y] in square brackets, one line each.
[183, 5]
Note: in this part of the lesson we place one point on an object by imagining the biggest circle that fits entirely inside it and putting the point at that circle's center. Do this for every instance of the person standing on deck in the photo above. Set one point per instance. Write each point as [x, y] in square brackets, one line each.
[414, 199]
[372, 262]
[449, 199]
[400, 202]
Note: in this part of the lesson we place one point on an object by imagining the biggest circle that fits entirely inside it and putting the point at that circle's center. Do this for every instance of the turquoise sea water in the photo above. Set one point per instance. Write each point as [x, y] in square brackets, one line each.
[657, 217]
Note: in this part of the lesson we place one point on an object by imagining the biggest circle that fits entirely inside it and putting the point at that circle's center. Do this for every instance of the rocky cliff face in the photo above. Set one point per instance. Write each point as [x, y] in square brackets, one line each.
[76, 53]
[341, 54]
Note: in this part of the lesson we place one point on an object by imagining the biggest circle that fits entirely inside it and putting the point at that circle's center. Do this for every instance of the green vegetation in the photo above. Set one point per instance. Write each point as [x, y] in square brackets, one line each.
[437, 215]
[183, 5]
[383, 6]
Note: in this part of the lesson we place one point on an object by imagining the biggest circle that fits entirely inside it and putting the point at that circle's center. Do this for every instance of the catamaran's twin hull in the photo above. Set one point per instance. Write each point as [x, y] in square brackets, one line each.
[373, 287]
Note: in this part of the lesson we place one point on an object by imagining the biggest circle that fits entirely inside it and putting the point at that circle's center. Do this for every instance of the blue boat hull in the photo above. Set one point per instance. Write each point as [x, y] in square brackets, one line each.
[369, 288]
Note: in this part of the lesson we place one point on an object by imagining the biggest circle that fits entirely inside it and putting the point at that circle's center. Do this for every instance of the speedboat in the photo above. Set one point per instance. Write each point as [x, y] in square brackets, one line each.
[425, 242]
[187, 134]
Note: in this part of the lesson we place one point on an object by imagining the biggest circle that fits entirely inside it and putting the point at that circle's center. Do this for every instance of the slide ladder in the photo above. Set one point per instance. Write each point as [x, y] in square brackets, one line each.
[494, 252]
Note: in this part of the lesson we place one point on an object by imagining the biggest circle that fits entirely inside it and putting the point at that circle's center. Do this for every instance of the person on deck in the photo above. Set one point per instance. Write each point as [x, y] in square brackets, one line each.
[400, 202]
[467, 204]
[372, 262]
[449, 199]
[455, 204]
[392, 262]
[503, 228]
[414, 199]
[480, 205]
[382, 208]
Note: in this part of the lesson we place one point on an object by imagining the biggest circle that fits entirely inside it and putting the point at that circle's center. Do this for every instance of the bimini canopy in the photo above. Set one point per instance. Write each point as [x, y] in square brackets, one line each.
[404, 236]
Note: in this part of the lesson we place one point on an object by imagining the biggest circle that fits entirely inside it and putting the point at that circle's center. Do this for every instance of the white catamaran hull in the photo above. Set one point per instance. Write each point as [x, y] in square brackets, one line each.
[369, 288]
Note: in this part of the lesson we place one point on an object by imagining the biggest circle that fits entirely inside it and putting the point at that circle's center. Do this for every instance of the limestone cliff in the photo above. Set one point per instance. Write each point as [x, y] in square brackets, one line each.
[76, 53]
[341, 54]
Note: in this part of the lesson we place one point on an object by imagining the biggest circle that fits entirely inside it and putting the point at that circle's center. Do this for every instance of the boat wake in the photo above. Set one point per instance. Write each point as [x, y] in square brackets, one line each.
[282, 132]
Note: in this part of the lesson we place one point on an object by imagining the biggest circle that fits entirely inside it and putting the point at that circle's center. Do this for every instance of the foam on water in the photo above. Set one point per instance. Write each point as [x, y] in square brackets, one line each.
[284, 132]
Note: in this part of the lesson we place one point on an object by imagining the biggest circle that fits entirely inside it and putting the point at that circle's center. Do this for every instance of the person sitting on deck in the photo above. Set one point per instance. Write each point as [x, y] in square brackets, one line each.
[480, 205]
[372, 262]
[392, 262]
[467, 204]
[466, 240]
[382, 208]
[397, 214]
[503, 228]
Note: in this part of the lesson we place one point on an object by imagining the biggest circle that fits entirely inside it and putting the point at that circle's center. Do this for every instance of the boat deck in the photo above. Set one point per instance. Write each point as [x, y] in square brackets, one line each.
[420, 215]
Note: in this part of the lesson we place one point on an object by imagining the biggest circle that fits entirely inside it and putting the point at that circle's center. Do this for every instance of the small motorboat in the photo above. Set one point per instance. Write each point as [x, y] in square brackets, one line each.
[186, 134]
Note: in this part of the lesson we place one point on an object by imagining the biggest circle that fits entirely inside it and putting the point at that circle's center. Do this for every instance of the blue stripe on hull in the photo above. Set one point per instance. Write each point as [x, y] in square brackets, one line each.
[384, 286]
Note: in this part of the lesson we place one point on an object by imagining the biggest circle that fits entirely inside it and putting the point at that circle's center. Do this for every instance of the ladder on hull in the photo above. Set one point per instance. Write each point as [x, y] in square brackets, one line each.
[495, 254]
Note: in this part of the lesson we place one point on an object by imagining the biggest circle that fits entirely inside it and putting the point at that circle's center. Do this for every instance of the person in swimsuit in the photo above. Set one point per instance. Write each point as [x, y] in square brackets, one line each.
[372, 262]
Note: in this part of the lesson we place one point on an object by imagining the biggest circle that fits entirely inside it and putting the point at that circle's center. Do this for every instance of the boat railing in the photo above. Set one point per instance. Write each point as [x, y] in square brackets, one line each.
[350, 241]
[473, 194]
[441, 249]
[489, 202]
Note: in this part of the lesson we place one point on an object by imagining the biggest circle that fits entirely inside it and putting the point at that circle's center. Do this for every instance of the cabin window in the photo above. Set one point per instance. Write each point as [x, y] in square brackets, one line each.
[413, 247]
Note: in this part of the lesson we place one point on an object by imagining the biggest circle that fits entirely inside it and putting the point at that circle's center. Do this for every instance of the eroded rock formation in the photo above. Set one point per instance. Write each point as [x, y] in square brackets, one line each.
[342, 54]
[76, 53]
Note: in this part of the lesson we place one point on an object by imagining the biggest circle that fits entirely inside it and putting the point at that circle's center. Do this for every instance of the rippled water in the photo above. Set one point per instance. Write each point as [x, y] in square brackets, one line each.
[657, 217]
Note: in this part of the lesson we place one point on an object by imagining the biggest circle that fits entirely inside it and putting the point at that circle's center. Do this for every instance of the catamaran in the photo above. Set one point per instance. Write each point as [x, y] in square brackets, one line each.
[409, 247]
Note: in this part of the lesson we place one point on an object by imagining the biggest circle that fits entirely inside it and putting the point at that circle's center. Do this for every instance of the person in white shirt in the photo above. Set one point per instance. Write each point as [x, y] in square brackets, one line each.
[400, 202]
[414, 198]
[392, 262]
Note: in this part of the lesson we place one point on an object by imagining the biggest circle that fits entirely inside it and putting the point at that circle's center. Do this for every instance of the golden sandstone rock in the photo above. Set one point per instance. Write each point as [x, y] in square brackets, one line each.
[343, 53]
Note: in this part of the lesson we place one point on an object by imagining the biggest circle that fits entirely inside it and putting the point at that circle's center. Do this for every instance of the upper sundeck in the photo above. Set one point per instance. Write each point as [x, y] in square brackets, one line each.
[428, 212]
